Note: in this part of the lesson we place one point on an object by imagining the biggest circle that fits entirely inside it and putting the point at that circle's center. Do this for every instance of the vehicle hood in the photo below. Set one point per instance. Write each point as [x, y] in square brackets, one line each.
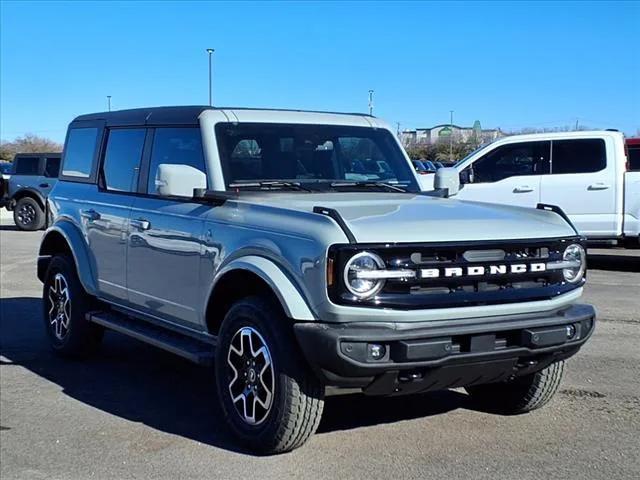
[380, 217]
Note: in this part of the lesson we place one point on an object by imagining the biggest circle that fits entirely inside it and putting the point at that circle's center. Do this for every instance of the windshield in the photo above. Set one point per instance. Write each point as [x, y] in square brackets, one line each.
[316, 157]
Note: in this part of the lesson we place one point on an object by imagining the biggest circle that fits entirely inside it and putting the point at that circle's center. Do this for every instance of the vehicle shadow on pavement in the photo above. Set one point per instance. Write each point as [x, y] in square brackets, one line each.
[9, 228]
[142, 384]
[613, 262]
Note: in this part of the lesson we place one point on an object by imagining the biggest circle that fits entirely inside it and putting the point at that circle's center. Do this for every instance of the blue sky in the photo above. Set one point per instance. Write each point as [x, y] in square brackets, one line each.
[508, 64]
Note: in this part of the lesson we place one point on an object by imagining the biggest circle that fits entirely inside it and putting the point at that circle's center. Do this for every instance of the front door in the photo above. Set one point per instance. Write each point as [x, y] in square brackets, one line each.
[509, 174]
[583, 184]
[166, 235]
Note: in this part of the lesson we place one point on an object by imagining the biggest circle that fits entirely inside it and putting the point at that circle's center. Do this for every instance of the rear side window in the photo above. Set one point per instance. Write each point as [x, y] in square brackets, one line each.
[52, 167]
[175, 146]
[517, 159]
[578, 156]
[122, 159]
[78, 155]
[27, 165]
[634, 159]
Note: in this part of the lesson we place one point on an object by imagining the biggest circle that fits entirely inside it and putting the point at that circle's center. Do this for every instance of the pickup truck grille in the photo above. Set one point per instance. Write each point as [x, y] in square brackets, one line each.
[461, 274]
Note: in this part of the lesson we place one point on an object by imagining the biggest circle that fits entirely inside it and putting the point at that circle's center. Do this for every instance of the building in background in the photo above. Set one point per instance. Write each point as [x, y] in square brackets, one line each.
[444, 132]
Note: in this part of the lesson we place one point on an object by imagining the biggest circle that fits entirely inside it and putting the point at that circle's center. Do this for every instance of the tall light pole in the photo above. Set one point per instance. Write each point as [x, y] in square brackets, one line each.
[210, 52]
[109, 102]
[451, 137]
[370, 102]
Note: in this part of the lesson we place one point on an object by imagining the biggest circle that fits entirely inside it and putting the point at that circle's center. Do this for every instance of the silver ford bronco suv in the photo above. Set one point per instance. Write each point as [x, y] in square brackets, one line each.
[294, 252]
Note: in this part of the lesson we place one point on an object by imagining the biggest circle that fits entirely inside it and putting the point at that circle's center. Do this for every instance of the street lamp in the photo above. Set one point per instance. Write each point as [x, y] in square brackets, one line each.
[370, 102]
[109, 102]
[210, 52]
[451, 137]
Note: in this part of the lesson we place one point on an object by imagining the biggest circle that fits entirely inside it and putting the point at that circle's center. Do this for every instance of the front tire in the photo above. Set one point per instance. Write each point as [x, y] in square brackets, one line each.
[270, 398]
[64, 306]
[521, 395]
[28, 215]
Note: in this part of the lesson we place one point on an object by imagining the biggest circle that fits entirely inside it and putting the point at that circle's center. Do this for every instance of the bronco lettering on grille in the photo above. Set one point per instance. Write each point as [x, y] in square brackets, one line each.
[480, 270]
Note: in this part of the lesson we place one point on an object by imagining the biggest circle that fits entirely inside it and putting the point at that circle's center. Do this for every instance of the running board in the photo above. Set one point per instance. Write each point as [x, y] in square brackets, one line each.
[187, 347]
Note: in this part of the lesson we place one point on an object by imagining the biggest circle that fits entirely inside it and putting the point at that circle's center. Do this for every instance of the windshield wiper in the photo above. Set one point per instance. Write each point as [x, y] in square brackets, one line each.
[271, 185]
[368, 184]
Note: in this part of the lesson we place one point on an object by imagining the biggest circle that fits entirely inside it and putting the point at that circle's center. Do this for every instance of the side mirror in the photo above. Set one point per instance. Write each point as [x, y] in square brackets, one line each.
[464, 177]
[179, 180]
[447, 179]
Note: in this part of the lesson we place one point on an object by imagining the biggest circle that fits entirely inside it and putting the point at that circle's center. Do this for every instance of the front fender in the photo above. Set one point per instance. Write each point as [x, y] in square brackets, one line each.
[290, 298]
[79, 250]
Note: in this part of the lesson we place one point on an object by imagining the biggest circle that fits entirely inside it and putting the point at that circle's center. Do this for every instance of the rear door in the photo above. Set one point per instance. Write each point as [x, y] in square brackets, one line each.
[50, 172]
[508, 174]
[583, 183]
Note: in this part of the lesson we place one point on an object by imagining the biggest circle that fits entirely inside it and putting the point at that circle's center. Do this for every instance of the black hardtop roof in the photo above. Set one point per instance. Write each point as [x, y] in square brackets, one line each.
[37, 154]
[176, 115]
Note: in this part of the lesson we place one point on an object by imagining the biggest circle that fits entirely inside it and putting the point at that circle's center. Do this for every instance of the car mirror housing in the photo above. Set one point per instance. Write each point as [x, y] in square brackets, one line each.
[179, 180]
[447, 179]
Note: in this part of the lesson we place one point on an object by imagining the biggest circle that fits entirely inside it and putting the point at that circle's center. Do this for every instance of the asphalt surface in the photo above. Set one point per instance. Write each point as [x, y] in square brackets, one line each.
[136, 412]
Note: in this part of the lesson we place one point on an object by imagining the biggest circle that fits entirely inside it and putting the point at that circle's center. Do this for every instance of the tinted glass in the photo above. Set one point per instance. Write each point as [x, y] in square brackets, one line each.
[528, 158]
[27, 165]
[52, 167]
[578, 156]
[313, 155]
[78, 155]
[122, 159]
[175, 146]
[634, 159]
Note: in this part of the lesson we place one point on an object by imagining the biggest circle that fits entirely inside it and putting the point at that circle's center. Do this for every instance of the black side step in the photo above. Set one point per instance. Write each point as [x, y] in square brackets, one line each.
[190, 348]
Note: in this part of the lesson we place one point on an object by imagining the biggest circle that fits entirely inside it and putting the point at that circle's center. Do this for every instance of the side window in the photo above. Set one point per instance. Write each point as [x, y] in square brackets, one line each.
[122, 159]
[27, 165]
[52, 167]
[578, 156]
[527, 158]
[78, 154]
[634, 159]
[175, 146]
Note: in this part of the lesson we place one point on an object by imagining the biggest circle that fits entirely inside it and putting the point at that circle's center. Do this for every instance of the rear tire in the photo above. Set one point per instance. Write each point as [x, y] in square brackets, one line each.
[521, 395]
[64, 306]
[289, 397]
[28, 215]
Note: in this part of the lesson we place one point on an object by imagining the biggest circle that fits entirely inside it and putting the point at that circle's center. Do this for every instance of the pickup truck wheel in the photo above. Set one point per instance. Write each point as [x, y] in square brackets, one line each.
[28, 215]
[521, 395]
[65, 304]
[270, 398]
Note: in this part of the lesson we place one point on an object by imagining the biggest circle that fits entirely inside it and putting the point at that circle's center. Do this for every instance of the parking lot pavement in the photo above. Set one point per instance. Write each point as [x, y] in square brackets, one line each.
[136, 412]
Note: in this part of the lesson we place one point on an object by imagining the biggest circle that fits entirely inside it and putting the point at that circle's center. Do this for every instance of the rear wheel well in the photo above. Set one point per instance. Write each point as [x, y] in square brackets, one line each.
[234, 286]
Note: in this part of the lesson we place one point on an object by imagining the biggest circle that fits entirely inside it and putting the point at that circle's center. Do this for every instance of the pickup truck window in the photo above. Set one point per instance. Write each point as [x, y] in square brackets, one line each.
[27, 165]
[316, 156]
[78, 157]
[122, 159]
[175, 146]
[517, 159]
[578, 156]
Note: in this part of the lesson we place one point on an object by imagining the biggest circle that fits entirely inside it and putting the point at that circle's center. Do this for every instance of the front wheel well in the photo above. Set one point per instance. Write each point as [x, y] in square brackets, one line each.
[53, 244]
[233, 286]
[19, 195]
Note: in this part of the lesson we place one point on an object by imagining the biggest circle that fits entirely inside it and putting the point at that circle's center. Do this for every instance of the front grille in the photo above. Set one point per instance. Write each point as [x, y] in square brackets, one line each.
[490, 280]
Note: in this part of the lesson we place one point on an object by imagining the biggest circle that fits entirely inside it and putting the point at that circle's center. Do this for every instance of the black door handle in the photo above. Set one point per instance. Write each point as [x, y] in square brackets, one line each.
[44, 185]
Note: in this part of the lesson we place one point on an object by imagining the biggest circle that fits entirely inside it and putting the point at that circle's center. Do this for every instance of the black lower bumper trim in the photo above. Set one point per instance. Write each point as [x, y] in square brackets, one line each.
[364, 355]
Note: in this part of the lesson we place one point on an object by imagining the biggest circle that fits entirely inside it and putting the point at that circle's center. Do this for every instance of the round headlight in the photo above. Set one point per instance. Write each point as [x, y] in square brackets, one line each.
[575, 255]
[356, 277]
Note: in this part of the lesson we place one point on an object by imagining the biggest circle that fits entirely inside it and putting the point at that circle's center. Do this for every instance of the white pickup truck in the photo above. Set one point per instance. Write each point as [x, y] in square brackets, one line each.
[587, 174]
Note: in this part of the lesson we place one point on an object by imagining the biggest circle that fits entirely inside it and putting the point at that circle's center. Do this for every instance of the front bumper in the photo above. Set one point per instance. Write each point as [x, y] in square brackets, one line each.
[437, 355]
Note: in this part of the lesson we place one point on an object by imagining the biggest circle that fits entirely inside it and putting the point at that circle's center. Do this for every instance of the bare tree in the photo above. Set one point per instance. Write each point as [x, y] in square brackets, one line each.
[29, 143]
